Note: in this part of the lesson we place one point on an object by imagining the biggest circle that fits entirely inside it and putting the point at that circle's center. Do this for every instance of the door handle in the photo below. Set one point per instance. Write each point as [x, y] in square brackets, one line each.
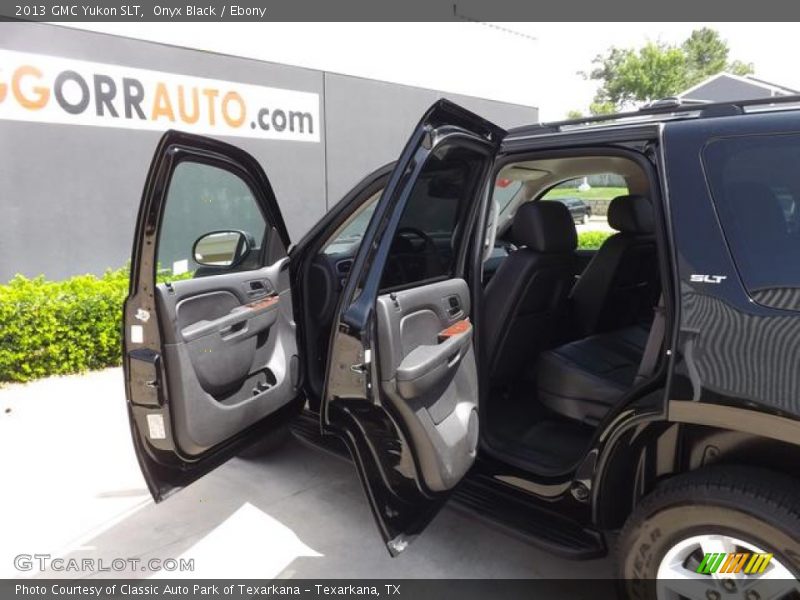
[231, 329]
[258, 287]
[453, 360]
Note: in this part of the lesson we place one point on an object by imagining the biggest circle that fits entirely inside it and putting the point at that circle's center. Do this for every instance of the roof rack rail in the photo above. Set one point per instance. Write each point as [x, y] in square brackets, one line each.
[664, 107]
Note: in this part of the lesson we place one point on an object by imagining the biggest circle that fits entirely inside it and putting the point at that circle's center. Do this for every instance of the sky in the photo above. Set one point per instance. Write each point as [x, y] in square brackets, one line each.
[535, 64]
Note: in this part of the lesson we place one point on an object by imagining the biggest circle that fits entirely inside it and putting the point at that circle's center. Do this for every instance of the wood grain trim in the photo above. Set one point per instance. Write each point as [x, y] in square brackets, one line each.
[456, 328]
[264, 303]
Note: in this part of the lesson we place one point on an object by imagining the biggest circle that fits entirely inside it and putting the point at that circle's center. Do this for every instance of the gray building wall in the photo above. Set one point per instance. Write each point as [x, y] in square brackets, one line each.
[369, 121]
[70, 193]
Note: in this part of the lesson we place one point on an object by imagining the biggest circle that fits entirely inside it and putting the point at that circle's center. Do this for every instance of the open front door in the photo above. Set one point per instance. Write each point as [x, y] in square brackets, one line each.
[210, 352]
[402, 387]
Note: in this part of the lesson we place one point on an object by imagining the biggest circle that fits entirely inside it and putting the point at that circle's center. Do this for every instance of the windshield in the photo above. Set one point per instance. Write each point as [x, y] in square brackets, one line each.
[351, 232]
[504, 192]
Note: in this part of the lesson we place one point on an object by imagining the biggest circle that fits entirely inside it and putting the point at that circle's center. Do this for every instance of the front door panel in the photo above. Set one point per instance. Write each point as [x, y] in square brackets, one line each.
[402, 386]
[230, 353]
[210, 352]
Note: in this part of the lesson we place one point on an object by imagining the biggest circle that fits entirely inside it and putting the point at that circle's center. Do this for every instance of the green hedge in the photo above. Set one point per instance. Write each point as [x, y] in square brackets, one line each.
[591, 240]
[59, 327]
[70, 326]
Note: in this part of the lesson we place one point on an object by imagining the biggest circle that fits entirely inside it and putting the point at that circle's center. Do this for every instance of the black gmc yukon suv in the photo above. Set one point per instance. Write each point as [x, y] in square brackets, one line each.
[440, 325]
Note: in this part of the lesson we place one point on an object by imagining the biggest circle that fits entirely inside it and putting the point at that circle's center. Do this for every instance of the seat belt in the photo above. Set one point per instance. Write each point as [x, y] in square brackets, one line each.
[654, 342]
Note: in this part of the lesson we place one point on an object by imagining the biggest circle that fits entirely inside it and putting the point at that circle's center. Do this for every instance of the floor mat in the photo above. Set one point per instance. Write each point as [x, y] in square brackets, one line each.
[533, 433]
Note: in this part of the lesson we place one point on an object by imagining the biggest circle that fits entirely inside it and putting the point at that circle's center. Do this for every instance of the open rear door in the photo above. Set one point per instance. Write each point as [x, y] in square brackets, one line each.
[210, 352]
[402, 387]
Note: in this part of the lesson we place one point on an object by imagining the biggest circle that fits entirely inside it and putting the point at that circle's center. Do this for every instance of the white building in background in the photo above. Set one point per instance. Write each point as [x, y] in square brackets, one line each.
[727, 86]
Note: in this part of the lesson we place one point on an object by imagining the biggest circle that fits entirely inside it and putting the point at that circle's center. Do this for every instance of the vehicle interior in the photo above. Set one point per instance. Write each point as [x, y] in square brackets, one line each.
[565, 328]
[422, 249]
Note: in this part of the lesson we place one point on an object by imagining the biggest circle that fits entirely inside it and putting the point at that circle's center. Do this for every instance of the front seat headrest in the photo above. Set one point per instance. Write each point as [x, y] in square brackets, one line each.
[631, 214]
[544, 226]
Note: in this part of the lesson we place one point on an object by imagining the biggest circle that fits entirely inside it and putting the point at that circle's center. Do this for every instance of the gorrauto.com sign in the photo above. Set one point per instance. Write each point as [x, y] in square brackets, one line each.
[47, 89]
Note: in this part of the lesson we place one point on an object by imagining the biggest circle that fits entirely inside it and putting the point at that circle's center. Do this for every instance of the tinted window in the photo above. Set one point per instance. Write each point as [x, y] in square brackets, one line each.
[348, 237]
[203, 199]
[755, 183]
[426, 243]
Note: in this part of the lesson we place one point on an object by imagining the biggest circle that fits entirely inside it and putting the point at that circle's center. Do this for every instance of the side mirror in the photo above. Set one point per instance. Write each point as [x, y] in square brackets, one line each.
[222, 248]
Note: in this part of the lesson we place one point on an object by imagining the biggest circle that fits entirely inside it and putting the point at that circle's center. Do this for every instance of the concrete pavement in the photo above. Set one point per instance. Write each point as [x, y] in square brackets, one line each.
[72, 489]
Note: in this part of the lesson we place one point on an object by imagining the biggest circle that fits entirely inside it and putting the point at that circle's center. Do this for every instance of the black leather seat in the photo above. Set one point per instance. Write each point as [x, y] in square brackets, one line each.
[620, 285]
[527, 296]
[583, 379]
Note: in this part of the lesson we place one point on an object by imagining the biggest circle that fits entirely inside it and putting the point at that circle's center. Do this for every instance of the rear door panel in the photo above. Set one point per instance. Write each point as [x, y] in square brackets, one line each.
[429, 375]
[402, 385]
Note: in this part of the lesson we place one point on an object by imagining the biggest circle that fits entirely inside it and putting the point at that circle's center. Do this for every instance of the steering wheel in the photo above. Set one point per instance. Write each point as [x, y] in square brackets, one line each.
[403, 249]
[429, 246]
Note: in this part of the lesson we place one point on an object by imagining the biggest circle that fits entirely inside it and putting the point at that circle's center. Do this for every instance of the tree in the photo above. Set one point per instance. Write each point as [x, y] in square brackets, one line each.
[738, 67]
[654, 71]
[602, 108]
[658, 70]
[707, 54]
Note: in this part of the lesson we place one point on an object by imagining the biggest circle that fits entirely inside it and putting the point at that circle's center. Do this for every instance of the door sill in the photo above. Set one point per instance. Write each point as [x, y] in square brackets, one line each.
[489, 500]
[306, 428]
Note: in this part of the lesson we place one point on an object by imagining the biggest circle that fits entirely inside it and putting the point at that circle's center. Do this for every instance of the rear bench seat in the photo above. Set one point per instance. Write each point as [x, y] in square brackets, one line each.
[583, 379]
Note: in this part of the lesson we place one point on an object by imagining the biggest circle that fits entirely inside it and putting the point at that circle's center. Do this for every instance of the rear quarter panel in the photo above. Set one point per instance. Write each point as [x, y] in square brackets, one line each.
[730, 350]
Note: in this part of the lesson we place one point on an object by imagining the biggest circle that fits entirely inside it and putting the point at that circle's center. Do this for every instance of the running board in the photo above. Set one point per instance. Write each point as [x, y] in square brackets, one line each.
[490, 500]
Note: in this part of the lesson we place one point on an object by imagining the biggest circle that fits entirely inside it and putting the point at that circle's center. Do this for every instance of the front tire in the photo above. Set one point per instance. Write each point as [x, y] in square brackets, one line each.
[717, 510]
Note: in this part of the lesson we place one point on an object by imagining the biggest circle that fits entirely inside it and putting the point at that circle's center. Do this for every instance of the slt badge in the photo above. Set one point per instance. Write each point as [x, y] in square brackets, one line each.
[696, 278]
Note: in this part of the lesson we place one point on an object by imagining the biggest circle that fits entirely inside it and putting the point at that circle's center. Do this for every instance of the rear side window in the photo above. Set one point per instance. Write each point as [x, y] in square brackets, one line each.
[755, 184]
[602, 188]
